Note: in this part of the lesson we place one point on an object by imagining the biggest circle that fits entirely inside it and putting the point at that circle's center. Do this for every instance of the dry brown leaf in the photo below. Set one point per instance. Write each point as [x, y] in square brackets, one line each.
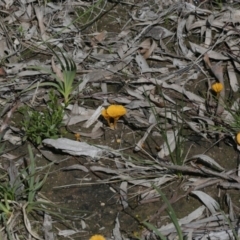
[2, 72]
[98, 38]
[217, 70]
[147, 47]
[207, 61]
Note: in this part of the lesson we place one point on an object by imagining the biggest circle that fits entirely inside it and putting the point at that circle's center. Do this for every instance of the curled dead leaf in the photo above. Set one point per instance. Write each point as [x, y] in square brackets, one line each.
[147, 47]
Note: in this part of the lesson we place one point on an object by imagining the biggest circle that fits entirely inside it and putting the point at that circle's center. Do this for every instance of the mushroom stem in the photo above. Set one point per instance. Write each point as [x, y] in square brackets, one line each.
[115, 122]
[108, 121]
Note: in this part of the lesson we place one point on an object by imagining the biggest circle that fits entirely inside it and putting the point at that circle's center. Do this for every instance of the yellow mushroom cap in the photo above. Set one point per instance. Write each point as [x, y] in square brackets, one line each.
[104, 114]
[217, 87]
[116, 111]
[112, 114]
[238, 138]
[97, 237]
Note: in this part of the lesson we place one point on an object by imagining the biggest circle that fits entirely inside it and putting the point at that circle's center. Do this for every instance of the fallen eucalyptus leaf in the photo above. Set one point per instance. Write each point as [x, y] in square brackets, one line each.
[208, 201]
[192, 216]
[116, 231]
[123, 194]
[74, 147]
[47, 227]
[232, 77]
[211, 53]
[208, 160]
[169, 144]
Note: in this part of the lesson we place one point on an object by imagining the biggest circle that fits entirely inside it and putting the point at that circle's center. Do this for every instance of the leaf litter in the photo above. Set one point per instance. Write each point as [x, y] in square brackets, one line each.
[160, 63]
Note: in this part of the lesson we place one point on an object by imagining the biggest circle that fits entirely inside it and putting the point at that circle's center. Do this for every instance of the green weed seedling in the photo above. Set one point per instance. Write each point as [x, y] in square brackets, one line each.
[34, 204]
[39, 125]
[22, 205]
[65, 84]
[175, 155]
[6, 195]
[33, 184]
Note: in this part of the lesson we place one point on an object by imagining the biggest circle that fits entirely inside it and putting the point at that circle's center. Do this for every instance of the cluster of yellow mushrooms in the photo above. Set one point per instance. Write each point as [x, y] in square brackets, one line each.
[114, 112]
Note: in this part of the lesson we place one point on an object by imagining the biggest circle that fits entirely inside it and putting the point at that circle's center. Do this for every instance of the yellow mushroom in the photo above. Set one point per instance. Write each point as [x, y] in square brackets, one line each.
[238, 138]
[97, 237]
[105, 115]
[112, 114]
[77, 137]
[217, 87]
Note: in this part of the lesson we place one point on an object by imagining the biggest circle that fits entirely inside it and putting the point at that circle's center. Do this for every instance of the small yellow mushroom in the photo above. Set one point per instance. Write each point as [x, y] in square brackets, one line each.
[77, 137]
[238, 138]
[217, 87]
[97, 237]
[112, 114]
[105, 115]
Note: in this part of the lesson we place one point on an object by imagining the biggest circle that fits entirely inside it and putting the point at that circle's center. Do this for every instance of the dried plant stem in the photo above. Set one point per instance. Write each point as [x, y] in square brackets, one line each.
[201, 171]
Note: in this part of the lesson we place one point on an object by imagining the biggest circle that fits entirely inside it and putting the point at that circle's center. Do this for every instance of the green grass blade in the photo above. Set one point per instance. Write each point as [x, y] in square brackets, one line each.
[155, 230]
[55, 54]
[171, 213]
[31, 180]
